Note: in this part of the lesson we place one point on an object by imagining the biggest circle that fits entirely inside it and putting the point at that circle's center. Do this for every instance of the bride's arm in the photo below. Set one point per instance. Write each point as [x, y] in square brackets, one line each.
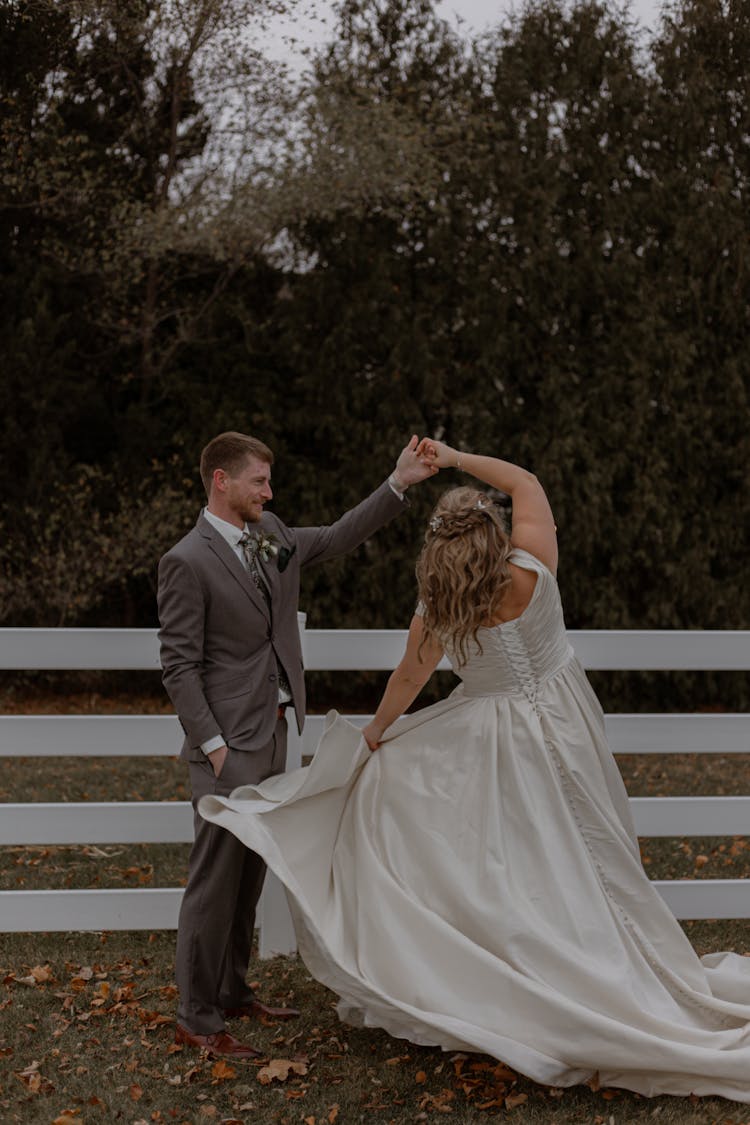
[404, 683]
[533, 526]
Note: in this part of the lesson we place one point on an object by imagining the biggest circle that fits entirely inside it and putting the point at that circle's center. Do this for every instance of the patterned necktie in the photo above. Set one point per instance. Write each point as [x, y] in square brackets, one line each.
[249, 544]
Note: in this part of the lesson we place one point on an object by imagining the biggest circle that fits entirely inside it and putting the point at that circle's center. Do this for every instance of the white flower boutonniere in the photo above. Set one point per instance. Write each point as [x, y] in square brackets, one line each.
[264, 544]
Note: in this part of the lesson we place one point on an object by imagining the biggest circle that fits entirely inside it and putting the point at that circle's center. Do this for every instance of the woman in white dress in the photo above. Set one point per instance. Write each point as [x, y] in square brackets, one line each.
[476, 882]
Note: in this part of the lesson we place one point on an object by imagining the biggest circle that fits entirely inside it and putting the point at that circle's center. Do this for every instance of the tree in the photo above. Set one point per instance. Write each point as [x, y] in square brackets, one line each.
[117, 141]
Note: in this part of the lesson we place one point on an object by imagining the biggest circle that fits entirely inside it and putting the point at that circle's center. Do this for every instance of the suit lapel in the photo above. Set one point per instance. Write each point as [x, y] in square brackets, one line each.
[218, 544]
[270, 570]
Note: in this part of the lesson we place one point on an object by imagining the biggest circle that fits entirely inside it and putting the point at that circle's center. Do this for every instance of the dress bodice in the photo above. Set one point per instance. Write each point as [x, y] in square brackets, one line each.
[517, 656]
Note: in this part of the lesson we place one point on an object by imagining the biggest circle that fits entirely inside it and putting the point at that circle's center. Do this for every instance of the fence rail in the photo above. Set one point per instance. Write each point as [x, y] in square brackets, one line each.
[54, 736]
[335, 650]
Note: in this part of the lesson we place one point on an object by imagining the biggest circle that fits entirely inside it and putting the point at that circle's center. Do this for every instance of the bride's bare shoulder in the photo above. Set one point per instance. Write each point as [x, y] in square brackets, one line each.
[520, 592]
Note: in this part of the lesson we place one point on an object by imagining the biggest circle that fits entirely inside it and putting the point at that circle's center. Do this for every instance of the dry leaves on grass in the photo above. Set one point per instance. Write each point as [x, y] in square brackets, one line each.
[487, 1084]
[329, 1118]
[221, 1071]
[440, 1102]
[280, 1069]
[40, 974]
[34, 1082]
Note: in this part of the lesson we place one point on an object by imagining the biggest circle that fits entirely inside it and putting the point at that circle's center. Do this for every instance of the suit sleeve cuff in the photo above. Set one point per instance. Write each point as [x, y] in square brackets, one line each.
[212, 744]
[400, 492]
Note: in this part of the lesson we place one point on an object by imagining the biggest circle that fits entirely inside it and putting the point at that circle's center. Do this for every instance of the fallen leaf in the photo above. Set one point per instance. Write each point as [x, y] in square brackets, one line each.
[333, 1113]
[136, 1092]
[222, 1070]
[503, 1073]
[309, 1120]
[438, 1102]
[515, 1099]
[281, 1069]
[40, 974]
[420, 1077]
[34, 1082]
[152, 1020]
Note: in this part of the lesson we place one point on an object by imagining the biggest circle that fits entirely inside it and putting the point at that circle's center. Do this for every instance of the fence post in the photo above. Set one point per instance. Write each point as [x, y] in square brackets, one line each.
[276, 934]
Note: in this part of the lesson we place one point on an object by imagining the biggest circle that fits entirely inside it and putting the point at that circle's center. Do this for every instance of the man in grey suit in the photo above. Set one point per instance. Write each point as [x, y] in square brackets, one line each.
[232, 662]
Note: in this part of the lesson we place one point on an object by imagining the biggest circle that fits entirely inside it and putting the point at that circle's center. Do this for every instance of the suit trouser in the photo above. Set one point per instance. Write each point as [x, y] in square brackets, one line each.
[217, 916]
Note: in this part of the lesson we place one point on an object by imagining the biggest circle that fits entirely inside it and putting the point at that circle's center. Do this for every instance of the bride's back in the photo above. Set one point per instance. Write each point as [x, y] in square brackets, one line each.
[517, 655]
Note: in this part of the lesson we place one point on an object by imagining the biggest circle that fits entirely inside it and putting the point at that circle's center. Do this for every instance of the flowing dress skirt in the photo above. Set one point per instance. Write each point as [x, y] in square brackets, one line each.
[476, 884]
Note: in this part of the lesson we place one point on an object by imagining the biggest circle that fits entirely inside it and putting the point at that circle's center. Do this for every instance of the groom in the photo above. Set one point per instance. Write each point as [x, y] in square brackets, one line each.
[232, 663]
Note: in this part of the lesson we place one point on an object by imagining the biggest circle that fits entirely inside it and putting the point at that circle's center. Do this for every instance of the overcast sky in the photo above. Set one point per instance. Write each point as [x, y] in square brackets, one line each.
[479, 13]
[310, 29]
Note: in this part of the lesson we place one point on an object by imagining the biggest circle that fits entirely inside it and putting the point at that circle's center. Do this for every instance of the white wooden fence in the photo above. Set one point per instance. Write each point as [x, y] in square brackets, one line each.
[90, 822]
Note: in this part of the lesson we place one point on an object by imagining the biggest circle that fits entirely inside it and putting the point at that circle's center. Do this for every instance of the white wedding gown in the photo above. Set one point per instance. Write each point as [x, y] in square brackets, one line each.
[476, 883]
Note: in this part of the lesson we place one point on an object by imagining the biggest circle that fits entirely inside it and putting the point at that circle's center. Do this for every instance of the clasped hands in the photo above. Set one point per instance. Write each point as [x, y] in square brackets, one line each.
[421, 459]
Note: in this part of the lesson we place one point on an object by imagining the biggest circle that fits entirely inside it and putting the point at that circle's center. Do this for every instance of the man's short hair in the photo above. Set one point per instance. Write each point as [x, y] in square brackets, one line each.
[230, 452]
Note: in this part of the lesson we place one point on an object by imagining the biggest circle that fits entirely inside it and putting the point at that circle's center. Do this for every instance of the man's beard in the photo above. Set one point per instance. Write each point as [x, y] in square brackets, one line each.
[249, 514]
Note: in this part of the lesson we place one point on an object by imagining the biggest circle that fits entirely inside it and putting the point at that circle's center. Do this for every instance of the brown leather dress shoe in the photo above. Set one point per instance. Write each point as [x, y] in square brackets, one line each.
[220, 1043]
[259, 1010]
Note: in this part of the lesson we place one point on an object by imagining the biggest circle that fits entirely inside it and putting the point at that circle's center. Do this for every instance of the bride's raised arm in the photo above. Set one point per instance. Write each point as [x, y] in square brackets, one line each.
[533, 525]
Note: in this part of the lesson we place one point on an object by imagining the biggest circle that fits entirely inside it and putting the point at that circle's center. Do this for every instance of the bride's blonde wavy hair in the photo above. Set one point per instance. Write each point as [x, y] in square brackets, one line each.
[462, 569]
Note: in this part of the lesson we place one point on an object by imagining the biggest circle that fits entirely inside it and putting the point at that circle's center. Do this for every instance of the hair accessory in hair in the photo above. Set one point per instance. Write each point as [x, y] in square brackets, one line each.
[483, 504]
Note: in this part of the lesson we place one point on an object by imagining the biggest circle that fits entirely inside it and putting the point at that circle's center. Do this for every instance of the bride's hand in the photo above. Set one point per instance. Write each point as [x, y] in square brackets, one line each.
[372, 735]
[437, 453]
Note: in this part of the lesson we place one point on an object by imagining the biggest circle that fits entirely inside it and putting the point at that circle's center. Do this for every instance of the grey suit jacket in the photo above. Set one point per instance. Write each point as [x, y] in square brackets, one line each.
[220, 644]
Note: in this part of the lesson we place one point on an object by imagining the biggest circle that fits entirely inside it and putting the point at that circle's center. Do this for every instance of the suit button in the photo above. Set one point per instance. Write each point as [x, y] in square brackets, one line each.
[272, 679]
[269, 635]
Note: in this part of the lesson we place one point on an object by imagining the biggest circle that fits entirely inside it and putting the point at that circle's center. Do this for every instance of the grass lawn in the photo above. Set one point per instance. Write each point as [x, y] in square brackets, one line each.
[87, 1036]
[88, 1019]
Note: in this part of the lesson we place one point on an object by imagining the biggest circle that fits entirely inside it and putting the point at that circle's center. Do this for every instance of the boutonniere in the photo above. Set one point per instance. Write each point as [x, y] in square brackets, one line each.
[285, 555]
[262, 543]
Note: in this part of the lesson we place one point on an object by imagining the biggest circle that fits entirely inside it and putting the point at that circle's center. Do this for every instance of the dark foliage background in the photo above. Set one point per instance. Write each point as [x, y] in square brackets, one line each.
[534, 244]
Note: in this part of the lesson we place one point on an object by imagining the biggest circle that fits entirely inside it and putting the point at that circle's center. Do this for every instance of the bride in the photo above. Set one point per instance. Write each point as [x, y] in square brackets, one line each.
[468, 876]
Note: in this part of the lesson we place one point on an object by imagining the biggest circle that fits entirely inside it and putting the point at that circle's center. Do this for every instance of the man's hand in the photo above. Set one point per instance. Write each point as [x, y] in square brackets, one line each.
[411, 467]
[216, 758]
